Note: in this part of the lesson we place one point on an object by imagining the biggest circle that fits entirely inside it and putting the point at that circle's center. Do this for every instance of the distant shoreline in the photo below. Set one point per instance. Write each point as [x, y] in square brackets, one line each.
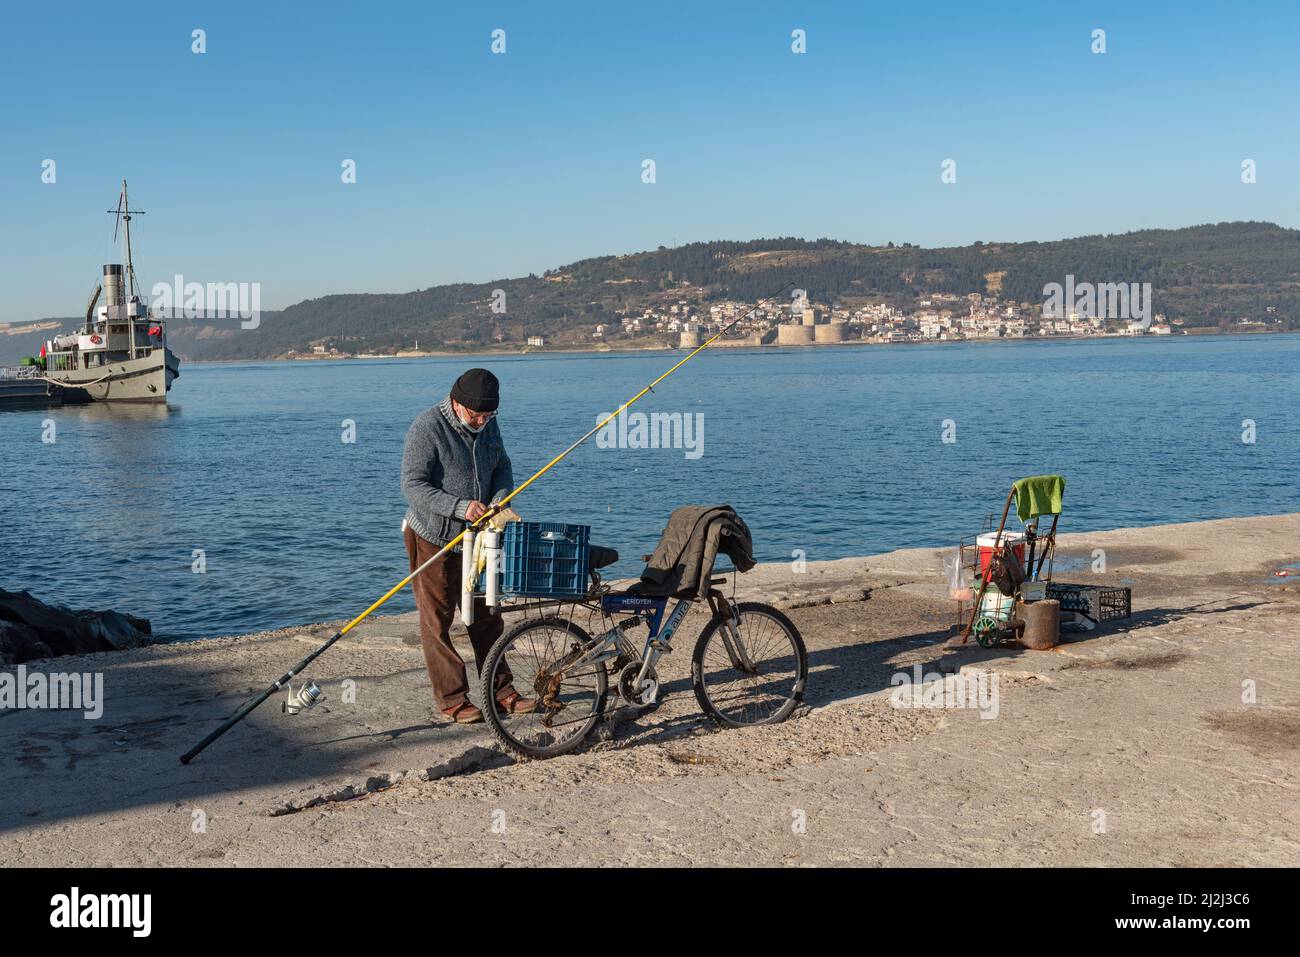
[746, 347]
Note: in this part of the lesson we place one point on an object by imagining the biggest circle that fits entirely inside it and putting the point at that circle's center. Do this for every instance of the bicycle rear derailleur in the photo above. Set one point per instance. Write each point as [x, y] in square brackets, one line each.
[547, 683]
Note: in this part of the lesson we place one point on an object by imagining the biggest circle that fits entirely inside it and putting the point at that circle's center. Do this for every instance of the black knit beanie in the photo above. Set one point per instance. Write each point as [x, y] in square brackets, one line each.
[477, 390]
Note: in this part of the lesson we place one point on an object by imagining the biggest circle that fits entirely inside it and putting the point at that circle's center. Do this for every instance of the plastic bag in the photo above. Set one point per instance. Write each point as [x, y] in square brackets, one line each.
[957, 576]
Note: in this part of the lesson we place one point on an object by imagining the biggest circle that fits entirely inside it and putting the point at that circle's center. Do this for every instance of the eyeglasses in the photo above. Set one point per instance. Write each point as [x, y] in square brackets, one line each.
[470, 413]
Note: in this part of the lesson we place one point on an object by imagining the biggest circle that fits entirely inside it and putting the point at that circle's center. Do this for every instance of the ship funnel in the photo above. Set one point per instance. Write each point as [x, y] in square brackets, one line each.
[114, 291]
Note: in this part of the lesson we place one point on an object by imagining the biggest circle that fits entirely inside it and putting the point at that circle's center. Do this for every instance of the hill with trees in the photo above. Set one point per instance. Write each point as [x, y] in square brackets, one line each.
[1205, 275]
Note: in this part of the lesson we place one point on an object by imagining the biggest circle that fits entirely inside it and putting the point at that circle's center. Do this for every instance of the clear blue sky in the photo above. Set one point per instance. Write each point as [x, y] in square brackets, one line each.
[473, 166]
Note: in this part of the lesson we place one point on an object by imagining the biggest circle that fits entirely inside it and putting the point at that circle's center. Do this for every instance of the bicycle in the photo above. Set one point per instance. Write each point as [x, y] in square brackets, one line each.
[749, 666]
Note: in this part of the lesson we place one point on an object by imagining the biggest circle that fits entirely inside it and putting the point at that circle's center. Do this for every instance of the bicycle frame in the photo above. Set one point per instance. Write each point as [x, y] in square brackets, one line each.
[608, 646]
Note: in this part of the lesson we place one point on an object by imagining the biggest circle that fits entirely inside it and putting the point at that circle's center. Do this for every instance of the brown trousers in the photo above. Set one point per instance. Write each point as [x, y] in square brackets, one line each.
[437, 596]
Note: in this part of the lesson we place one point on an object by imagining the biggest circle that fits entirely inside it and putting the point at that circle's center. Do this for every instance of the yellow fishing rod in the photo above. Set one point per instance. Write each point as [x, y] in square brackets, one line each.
[297, 669]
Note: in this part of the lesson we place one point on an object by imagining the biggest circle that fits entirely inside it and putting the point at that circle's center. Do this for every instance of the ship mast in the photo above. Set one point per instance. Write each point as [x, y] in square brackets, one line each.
[124, 212]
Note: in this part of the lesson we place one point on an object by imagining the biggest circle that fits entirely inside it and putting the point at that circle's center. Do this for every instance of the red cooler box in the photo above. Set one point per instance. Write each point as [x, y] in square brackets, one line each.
[985, 542]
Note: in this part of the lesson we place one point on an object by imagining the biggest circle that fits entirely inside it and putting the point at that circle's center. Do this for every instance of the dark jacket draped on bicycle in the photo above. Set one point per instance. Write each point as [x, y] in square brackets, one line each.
[682, 563]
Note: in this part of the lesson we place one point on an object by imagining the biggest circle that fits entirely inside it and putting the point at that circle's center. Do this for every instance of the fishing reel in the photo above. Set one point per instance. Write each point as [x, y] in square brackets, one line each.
[305, 698]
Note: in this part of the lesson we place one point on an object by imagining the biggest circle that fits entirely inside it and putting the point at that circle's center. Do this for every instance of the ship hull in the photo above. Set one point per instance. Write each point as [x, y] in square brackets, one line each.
[28, 393]
[146, 379]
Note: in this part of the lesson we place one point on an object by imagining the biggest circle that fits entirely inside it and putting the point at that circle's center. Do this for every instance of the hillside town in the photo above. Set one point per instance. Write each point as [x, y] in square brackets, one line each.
[937, 317]
[940, 317]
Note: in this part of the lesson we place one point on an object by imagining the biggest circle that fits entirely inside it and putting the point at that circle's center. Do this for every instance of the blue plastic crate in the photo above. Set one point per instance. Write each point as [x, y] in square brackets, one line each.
[545, 560]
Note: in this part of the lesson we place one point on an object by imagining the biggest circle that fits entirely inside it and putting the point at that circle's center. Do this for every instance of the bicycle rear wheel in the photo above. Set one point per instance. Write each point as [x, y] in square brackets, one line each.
[538, 658]
[735, 694]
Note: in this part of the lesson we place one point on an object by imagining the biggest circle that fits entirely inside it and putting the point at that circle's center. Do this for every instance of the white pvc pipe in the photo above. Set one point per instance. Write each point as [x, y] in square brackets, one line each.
[466, 578]
[492, 568]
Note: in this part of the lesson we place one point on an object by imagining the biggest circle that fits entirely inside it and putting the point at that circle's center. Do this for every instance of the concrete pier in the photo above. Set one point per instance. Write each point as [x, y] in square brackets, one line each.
[1181, 724]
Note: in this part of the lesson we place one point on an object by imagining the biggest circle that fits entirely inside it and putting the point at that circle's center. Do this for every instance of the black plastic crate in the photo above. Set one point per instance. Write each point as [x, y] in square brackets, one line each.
[1097, 602]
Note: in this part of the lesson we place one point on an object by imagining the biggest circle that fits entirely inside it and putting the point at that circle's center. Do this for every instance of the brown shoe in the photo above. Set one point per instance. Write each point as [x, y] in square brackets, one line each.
[512, 702]
[464, 713]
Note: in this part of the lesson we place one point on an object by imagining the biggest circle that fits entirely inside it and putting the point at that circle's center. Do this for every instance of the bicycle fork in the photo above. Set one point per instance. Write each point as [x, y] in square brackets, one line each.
[730, 630]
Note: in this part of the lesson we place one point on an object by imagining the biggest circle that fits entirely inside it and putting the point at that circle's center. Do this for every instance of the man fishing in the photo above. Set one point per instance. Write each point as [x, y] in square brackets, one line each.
[454, 467]
[427, 486]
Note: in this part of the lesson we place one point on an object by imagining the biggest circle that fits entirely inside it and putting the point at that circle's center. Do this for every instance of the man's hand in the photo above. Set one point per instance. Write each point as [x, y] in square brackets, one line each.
[474, 510]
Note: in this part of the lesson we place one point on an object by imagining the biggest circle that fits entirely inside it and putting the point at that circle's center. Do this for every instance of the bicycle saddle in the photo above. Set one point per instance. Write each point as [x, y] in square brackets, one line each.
[598, 557]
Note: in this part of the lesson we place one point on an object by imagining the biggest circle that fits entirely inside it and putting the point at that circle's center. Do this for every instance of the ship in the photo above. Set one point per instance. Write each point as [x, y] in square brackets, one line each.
[119, 354]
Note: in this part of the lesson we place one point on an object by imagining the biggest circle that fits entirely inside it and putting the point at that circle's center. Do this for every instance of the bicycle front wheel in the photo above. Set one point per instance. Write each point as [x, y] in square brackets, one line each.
[540, 660]
[753, 675]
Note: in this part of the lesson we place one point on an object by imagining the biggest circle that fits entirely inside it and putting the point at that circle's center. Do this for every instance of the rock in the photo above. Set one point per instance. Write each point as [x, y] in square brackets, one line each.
[31, 629]
[118, 630]
[16, 640]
